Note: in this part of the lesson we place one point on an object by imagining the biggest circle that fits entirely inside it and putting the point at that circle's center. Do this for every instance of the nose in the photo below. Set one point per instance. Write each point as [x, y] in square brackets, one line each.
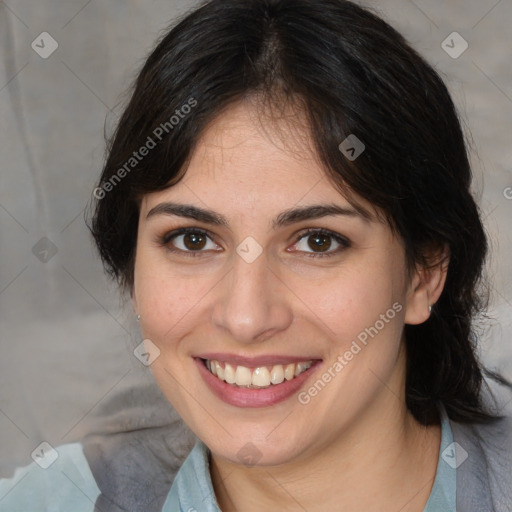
[252, 304]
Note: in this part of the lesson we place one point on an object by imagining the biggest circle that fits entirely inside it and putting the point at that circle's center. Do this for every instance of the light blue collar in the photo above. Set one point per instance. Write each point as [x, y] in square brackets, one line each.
[451, 455]
[192, 489]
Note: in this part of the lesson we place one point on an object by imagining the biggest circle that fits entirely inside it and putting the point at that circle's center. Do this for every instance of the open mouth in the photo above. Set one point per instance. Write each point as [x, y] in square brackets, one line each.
[261, 377]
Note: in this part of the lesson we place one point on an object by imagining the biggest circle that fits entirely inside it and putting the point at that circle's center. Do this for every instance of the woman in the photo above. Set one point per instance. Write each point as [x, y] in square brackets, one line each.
[287, 201]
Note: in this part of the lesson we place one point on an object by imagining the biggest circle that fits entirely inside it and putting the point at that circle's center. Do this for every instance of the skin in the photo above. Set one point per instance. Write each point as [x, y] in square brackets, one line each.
[354, 446]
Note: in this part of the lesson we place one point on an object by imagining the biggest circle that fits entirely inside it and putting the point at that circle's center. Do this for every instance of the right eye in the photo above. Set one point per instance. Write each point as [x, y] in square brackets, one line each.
[192, 241]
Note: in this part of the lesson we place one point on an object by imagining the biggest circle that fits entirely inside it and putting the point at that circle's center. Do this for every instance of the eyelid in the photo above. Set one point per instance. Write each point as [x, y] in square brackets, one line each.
[165, 240]
[167, 237]
[343, 241]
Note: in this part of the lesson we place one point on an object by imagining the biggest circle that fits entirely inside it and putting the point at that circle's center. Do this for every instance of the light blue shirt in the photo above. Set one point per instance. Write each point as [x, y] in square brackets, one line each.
[444, 491]
[68, 485]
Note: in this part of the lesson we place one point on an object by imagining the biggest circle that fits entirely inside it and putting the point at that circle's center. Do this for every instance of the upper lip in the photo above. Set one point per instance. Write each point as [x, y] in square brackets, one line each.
[254, 362]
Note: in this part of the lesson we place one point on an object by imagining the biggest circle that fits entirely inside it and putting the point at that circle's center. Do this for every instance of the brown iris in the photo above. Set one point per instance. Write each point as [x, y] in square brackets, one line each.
[194, 241]
[321, 242]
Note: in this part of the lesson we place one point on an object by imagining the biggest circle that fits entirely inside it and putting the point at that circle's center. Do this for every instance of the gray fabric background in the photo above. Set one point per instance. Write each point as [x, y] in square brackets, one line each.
[67, 366]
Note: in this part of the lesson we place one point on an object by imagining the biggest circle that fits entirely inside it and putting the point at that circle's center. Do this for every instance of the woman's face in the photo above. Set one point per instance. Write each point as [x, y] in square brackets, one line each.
[258, 285]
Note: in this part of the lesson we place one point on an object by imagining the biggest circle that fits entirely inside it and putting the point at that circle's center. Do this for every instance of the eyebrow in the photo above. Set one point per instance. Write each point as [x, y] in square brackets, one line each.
[285, 218]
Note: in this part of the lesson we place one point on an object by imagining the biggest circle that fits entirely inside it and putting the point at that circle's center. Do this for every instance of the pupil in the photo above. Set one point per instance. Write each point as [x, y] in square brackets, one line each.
[193, 241]
[321, 242]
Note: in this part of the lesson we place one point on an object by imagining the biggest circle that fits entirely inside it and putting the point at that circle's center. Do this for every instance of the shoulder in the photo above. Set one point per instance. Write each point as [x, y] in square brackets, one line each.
[484, 462]
[59, 479]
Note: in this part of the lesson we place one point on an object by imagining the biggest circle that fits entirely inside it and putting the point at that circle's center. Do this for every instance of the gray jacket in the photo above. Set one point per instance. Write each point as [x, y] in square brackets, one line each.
[484, 479]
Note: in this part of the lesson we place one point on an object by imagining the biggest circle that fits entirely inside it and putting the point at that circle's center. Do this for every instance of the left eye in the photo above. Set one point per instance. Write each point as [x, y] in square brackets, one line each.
[320, 241]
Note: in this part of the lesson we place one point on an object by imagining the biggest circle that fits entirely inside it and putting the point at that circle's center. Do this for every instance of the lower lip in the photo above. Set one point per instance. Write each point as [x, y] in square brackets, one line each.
[247, 397]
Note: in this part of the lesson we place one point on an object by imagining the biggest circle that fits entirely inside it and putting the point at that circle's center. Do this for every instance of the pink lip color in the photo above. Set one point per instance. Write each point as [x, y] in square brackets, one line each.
[246, 397]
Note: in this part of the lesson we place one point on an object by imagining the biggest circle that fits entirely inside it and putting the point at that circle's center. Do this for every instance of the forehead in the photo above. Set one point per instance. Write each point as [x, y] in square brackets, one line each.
[248, 160]
[244, 145]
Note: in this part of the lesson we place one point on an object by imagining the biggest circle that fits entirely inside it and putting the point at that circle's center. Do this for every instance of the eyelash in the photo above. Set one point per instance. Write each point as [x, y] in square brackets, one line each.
[344, 243]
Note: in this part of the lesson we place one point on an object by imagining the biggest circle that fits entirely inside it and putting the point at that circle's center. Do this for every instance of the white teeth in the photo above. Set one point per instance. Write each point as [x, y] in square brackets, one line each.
[261, 377]
[277, 374]
[302, 367]
[289, 372]
[243, 376]
[229, 374]
[219, 371]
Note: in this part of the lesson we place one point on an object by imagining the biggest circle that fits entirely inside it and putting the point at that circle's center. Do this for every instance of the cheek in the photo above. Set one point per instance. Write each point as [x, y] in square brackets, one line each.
[362, 314]
[167, 302]
[354, 300]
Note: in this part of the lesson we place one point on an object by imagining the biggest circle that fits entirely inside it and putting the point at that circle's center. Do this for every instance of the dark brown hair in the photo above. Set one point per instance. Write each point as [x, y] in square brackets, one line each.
[353, 74]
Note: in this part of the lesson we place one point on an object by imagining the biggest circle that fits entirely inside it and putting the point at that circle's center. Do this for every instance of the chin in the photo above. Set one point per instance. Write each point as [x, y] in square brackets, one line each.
[253, 451]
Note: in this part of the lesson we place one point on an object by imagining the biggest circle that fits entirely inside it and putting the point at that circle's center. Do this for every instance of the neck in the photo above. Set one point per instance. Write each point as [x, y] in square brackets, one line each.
[386, 461]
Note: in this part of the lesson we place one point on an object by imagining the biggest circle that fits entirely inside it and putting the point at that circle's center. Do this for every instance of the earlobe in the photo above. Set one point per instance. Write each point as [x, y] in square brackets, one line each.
[425, 289]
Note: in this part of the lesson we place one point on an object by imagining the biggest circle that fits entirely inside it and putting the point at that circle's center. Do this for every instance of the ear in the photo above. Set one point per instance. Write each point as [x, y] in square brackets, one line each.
[426, 286]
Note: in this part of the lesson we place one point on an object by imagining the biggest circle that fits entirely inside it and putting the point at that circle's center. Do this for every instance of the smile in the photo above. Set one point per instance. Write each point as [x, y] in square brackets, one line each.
[259, 382]
[260, 377]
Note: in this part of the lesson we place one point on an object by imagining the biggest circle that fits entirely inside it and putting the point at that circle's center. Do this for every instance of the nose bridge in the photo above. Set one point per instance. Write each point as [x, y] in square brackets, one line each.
[249, 306]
